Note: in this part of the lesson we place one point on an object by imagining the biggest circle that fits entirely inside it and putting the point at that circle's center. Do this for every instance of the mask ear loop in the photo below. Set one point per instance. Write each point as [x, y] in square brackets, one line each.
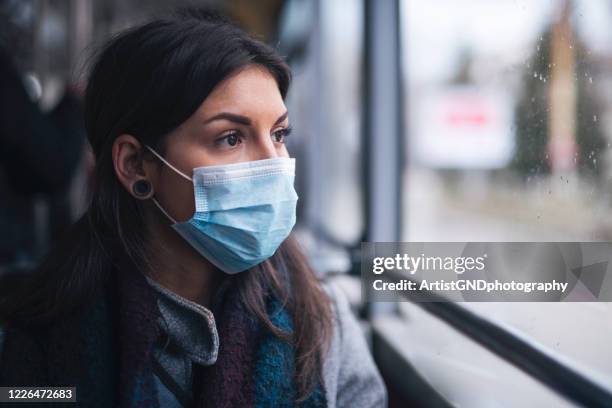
[163, 211]
[168, 164]
[177, 171]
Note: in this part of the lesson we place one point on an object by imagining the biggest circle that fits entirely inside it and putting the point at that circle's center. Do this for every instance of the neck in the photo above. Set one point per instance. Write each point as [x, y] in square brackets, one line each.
[188, 281]
[181, 269]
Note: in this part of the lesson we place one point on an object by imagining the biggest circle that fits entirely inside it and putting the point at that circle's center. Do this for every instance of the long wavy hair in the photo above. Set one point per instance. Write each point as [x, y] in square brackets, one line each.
[146, 81]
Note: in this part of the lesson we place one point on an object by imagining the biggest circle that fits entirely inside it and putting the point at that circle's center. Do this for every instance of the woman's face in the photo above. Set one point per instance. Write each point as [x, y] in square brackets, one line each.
[243, 119]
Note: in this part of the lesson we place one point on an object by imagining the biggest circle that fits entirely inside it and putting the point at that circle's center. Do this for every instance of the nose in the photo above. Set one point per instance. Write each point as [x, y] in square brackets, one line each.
[264, 148]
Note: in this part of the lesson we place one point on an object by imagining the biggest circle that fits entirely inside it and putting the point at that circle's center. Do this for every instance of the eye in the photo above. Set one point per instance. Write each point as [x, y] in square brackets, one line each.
[280, 135]
[230, 140]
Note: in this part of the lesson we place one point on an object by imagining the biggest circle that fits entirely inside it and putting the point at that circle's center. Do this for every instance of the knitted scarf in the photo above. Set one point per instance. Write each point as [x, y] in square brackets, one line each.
[107, 353]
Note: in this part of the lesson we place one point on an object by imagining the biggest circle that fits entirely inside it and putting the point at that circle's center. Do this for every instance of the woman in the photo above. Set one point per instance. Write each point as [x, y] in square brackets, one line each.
[181, 285]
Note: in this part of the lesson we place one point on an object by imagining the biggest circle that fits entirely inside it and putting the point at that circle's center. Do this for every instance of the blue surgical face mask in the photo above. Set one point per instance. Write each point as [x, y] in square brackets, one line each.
[243, 211]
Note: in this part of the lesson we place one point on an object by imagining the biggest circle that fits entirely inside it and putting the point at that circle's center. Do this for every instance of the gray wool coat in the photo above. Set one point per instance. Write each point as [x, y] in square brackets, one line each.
[349, 373]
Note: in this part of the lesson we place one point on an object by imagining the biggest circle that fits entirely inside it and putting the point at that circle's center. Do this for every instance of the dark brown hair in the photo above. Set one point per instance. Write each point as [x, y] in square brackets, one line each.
[145, 82]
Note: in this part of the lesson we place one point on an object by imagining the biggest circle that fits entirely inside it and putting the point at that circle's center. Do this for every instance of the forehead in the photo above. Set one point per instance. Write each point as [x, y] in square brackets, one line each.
[249, 91]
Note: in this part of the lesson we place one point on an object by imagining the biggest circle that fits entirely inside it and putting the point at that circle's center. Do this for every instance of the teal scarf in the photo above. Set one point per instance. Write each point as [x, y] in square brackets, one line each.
[107, 353]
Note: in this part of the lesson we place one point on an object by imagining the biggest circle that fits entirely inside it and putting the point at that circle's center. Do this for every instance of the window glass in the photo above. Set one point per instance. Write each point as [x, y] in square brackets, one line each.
[508, 127]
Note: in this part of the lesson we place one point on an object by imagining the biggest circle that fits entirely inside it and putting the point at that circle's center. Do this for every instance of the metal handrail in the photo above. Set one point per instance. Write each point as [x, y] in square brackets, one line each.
[550, 372]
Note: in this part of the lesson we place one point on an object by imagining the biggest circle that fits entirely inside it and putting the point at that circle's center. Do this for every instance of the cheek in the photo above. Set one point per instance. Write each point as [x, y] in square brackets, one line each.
[176, 195]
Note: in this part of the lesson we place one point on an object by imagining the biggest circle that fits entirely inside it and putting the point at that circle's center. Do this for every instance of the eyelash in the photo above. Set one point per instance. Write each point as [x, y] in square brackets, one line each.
[228, 135]
[285, 133]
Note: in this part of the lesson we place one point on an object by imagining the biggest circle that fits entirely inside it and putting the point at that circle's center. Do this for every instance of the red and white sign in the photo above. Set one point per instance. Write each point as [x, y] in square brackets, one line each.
[463, 127]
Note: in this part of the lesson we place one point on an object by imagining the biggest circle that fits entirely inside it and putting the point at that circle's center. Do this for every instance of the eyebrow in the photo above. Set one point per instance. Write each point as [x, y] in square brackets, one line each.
[243, 120]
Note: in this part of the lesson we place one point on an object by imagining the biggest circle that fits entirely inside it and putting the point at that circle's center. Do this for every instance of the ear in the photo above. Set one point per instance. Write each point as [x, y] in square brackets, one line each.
[128, 162]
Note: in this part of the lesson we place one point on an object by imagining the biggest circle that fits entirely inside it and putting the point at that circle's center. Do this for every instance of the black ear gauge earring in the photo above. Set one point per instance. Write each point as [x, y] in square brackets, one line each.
[142, 189]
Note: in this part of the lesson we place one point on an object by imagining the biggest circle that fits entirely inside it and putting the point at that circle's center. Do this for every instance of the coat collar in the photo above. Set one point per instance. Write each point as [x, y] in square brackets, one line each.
[189, 325]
